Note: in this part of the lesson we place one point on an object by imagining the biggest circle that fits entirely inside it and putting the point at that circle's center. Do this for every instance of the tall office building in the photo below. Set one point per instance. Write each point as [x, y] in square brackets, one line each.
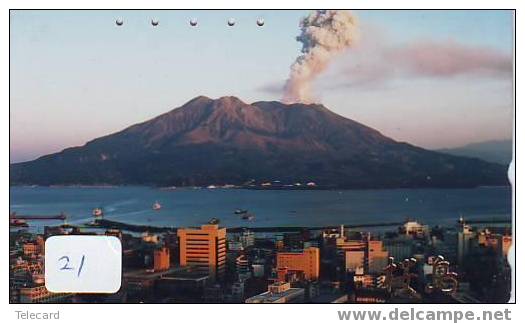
[242, 266]
[507, 243]
[465, 240]
[161, 259]
[239, 242]
[400, 248]
[354, 260]
[497, 241]
[364, 253]
[377, 257]
[371, 258]
[306, 261]
[204, 248]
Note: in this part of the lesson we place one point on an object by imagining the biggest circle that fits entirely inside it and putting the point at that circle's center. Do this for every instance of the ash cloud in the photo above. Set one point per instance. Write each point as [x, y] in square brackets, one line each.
[445, 59]
[325, 34]
[377, 61]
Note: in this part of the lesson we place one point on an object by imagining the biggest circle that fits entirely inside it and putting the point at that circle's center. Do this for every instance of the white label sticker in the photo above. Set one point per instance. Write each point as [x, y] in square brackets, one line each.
[83, 264]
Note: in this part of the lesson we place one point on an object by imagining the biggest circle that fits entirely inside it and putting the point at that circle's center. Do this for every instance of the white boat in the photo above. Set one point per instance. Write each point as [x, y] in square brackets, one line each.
[156, 206]
[97, 212]
[248, 216]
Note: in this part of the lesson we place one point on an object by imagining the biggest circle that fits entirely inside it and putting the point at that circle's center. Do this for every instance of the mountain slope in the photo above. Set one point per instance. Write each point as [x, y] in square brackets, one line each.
[494, 151]
[223, 141]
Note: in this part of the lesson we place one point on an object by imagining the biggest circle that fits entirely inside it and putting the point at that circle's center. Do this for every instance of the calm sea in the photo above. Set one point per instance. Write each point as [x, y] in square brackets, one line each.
[190, 207]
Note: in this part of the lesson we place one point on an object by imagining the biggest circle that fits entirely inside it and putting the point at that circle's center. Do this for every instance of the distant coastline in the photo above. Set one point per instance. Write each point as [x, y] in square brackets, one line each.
[245, 187]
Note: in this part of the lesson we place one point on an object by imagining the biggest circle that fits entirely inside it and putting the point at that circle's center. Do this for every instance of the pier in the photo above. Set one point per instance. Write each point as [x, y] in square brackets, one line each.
[14, 216]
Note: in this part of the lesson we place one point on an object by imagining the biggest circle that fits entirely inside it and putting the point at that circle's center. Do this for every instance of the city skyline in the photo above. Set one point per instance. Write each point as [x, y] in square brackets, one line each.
[414, 263]
[71, 85]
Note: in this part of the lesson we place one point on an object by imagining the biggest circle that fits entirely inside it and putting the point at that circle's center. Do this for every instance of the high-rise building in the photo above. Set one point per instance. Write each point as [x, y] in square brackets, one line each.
[40, 242]
[363, 253]
[377, 257]
[354, 260]
[242, 266]
[247, 238]
[465, 240]
[161, 259]
[293, 241]
[171, 241]
[400, 248]
[204, 248]
[446, 245]
[240, 242]
[507, 243]
[282, 274]
[306, 261]
[500, 243]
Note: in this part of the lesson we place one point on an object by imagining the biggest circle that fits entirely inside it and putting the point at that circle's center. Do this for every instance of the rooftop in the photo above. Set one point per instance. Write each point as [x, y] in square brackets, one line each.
[277, 297]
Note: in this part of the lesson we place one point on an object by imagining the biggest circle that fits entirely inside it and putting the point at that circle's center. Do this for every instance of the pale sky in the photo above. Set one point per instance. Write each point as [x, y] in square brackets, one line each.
[432, 78]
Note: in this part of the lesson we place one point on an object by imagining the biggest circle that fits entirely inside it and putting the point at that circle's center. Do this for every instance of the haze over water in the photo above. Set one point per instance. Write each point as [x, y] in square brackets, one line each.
[193, 207]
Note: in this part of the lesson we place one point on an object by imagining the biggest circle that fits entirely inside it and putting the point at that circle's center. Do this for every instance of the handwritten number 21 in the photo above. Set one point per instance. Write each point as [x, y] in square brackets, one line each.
[66, 264]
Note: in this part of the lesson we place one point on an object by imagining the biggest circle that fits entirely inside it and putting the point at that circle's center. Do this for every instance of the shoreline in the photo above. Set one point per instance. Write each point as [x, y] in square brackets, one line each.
[109, 224]
[226, 187]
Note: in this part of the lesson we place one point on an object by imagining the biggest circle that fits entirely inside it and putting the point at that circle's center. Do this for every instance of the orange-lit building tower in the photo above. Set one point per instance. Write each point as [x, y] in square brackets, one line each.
[281, 274]
[306, 261]
[161, 259]
[377, 257]
[204, 248]
[507, 243]
[365, 254]
[40, 242]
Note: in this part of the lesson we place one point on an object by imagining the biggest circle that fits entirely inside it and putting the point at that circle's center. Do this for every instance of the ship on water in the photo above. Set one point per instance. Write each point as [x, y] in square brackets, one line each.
[98, 212]
[156, 206]
[248, 216]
